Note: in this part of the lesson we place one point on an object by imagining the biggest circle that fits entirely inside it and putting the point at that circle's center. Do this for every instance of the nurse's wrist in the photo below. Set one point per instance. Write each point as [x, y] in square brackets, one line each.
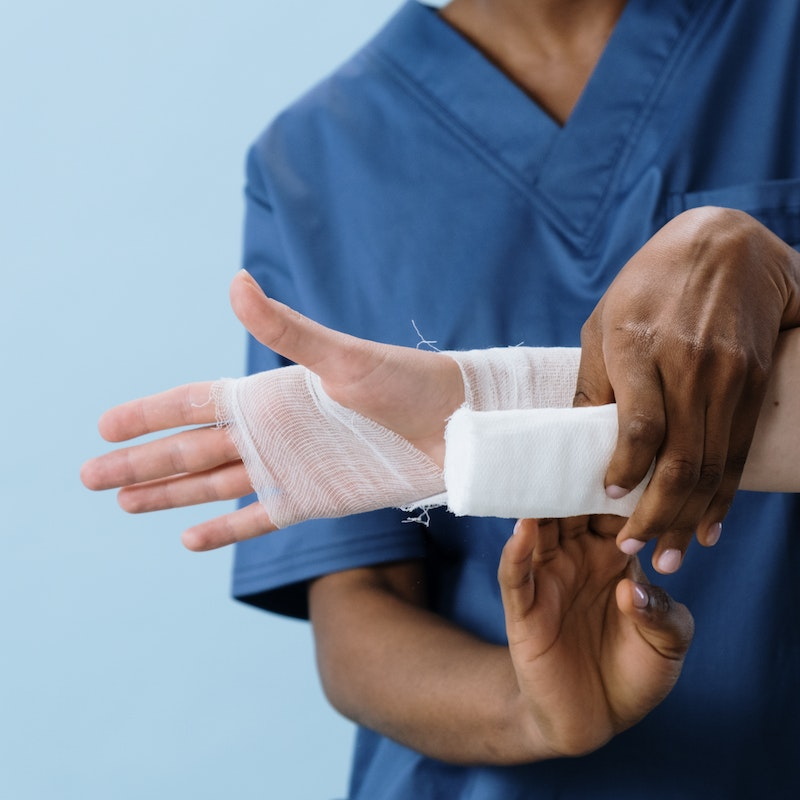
[742, 236]
[531, 742]
[773, 255]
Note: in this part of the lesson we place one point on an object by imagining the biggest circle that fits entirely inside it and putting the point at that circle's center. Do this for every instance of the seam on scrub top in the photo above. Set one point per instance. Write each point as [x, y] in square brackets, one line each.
[450, 122]
[684, 38]
[584, 237]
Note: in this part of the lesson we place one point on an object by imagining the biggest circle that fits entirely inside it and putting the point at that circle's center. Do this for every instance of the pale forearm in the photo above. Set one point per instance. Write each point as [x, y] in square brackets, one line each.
[392, 666]
[772, 464]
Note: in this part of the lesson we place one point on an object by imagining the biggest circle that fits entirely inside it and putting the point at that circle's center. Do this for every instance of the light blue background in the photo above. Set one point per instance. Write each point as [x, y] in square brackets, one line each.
[125, 669]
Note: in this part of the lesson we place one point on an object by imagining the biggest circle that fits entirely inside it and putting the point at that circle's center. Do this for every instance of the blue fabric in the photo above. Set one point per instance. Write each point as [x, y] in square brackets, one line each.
[418, 186]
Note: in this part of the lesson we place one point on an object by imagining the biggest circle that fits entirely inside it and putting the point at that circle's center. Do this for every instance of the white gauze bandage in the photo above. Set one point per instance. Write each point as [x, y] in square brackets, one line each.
[546, 462]
[510, 378]
[308, 457]
[517, 448]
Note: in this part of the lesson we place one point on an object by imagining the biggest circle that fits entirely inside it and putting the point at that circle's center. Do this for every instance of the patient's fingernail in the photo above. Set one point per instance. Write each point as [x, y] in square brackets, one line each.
[713, 534]
[631, 546]
[616, 492]
[669, 561]
[243, 273]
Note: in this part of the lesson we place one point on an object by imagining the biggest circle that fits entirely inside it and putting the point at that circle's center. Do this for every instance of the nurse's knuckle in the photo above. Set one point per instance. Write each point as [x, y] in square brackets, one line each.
[678, 474]
[711, 475]
[735, 365]
[642, 431]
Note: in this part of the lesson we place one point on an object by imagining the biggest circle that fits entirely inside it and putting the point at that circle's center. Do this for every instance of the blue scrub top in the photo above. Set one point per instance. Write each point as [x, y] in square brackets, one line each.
[418, 188]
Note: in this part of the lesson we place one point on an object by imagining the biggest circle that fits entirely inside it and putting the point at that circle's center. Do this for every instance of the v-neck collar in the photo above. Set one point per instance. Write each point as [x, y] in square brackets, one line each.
[567, 170]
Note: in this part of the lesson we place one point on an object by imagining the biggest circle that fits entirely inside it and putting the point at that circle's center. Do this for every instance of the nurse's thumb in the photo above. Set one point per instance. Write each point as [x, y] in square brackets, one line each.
[592, 387]
[666, 625]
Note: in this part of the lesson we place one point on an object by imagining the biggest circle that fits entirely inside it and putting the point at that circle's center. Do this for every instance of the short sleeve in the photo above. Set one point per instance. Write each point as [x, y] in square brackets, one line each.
[272, 571]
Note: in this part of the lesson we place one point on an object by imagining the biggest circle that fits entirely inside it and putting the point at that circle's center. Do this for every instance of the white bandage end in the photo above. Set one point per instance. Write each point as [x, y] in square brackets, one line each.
[533, 463]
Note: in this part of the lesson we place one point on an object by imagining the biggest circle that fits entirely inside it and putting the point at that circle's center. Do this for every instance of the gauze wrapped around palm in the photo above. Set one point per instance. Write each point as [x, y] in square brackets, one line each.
[309, 457]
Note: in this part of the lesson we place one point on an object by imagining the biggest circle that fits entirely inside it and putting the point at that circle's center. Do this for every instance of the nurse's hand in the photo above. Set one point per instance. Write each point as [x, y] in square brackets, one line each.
[594, 646]
[683, 342]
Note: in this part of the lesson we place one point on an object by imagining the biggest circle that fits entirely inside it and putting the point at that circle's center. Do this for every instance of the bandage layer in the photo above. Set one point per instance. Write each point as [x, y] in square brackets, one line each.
[510, 453]
[533, 463]
[512, 378]
[310, 458]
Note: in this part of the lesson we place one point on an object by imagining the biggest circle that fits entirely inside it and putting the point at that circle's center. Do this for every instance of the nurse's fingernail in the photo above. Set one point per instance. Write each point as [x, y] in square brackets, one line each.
[616, 492]
[713, 534]
[631, 547]
[669, 561]
[640, 597]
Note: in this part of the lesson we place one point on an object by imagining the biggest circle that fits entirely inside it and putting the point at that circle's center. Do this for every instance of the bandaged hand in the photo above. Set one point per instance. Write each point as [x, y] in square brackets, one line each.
[311, 457]
[409, 392]
[355, 426]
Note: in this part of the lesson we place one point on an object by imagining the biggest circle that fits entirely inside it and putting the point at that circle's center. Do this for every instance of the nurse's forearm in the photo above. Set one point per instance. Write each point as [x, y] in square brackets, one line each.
[585, 659]
[391, 665]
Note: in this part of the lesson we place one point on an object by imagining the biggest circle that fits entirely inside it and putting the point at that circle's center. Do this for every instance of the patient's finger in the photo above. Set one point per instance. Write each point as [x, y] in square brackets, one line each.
[189, 404]
[195, 450]
[328, 353]
[228, 482]
[245, 523]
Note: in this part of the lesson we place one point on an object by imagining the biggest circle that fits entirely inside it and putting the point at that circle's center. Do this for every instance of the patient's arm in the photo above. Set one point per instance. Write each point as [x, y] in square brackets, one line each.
[407, 391]
[773, 464]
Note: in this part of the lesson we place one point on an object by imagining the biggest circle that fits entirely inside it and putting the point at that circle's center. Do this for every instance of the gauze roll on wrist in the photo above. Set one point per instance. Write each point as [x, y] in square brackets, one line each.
[517, 448]
[510, 378]
[309, 457]
[543, 462]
